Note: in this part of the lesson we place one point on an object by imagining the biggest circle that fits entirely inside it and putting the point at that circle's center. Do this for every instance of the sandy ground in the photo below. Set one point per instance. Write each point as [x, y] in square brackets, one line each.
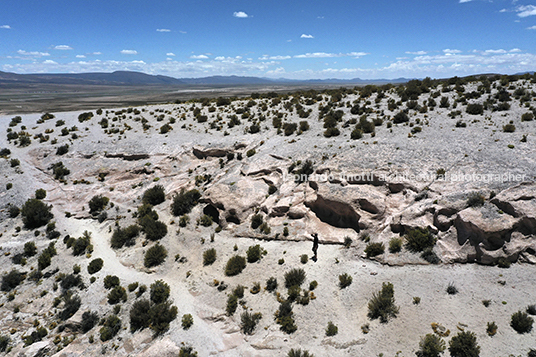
[481, 147]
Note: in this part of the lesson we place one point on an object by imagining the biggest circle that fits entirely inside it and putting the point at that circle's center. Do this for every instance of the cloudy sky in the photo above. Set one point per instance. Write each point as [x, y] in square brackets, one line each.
[291, 39]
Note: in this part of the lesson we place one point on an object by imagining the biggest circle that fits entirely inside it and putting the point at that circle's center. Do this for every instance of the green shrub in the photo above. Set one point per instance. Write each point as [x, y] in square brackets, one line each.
[184, 202]
[154, 256]
[239, 291]
[232, 304]
[125, 236]
[475, 109]
[248, 322]
[154, 230]
[418, 239]
[161, 316]
[356, 134]
[332, 329]
[62, 150]
[509, 128]
[30, 249]
[112, 325]
[250, 152]
[431, 345]
[40, 194]
[70, 281]
[187, 321]
[464, 345]
[294, 277]
[111, 281]
[299, 353]
[491, 328]
[255, 253]
[187, 351]
[475, 199]
[304, 258]
[70, 307]
[284, 317]
[14, 211]
[160, 291]
[35, 213]
[4, 343]
[11, 280]
[374, 249]
[82, 244]
[348, 242]
[521, 322]
[97, 204]
[345, 280]
[271, 284]
[209, 256]
[256, 221]
[531, 309]
[59, 171]
[451, 289]
[140, 315]
[395, 245]
[116, 295]
[527, 116]
[400, 117]
[154, 195]
[235, 265]
[133, 286]
[184, 220]
[89, 320]
[382, 305]
[205, 220]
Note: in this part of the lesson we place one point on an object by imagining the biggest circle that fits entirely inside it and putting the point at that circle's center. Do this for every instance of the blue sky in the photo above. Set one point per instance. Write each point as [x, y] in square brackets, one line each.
[290, 39]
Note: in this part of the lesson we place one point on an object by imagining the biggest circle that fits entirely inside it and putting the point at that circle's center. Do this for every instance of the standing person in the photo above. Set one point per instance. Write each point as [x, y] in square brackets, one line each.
[315, 246]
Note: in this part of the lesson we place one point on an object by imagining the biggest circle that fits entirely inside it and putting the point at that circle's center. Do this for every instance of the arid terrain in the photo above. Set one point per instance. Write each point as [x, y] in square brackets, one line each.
[429, 186]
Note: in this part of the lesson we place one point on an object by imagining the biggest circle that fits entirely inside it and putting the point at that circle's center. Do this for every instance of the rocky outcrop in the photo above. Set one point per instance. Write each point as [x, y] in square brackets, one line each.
[127, 157]
[203, 153]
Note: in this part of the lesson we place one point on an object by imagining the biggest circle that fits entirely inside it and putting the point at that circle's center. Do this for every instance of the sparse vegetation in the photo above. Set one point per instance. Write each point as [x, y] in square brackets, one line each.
[155, 256]
[345, 280]
[35, 213]
[235, 265]
[209, 256]
[464, 345]
[382, 305]
[521, 322]
[419, 239]
[374, 249]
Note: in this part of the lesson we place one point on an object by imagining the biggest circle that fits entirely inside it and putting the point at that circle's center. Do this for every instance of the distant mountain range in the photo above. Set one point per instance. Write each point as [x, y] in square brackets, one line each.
[127, 78]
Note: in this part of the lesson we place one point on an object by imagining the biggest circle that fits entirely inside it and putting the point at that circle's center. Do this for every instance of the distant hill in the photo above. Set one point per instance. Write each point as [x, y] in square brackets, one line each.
[114, 78]
[128, 78]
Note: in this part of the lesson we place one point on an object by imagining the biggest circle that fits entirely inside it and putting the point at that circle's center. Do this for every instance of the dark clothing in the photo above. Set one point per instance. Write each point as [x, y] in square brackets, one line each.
[315, 245]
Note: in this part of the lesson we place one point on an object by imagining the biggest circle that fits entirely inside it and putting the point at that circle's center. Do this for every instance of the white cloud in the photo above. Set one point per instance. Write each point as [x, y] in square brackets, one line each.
[274, 58]
[50, 62]
[418, 53]
[306, 36]
[451, 52]
[240, 14]
[494, 51]
[96, 53]
[163, 30]
[357, 54]
[63, 47]
[170, 54]
[183, 32]
[462, 1]
[317, 55]
[531, 28]
[129, 52]
[7, 27]
[526, 10]
[33, 53]
[513, 50]
[331, 55]
[199, 57]
[80, 56]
